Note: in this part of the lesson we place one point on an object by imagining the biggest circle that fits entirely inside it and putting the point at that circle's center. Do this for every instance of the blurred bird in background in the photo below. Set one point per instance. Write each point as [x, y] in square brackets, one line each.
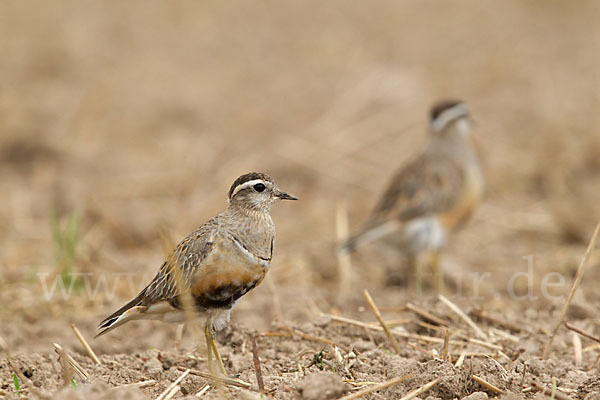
[430, 197]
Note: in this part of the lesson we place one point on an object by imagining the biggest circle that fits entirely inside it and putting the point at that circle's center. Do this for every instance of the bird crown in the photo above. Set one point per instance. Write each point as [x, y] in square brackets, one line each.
[445, 112]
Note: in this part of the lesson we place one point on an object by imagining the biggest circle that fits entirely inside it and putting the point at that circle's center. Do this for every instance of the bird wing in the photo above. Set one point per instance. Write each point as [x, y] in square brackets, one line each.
[424, 187]
[176, 274]
[174, 277]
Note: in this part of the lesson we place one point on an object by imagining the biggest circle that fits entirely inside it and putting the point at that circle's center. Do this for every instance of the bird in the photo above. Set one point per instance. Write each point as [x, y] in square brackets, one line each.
[430, 197]
[213, 267]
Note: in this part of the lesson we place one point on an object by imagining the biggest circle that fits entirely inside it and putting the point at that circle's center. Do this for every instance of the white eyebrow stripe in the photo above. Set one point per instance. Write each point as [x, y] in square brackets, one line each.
[459, 110]
[247, 184]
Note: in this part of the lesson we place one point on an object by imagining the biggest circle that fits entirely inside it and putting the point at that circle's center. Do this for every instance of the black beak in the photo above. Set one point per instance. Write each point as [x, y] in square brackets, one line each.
[285, 196]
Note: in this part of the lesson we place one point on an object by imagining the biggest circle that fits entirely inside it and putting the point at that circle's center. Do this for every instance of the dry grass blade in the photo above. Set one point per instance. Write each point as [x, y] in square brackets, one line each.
[443, 329]
[191, 315]
[179, 336]
[461, 335]
[577, 349]
[69, 365]
[582, 333]
[549, 392]
[175, 385]
[422, 389]
[374, 388]
[462, 315]
[392, 322]
[415, 336]
[504, 335]
[343, 257]
[221, 379]
[257, 371]
[85, 345]
[445, 355]
[391, 338]
[140, 385]
[172, 393]
[166, 240]
[397, 309]
[487, 385]
[203, 391]
[485, 344]
[426, 315]
[354, 322]
[318, 339]
[505, 324]
[578, 277]
[277, 310]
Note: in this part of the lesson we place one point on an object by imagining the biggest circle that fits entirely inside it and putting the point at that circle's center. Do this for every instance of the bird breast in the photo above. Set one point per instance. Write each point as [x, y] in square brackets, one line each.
[228, 273]
[466, 202]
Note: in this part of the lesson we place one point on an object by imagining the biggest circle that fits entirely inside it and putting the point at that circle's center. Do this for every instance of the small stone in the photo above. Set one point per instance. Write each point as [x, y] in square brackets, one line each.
[153, 367]
[476, 396]
[322, 386]
[512, 396]
[322, 320]
[363, 345]
[99, 391]
[307, 327]
[580, 310]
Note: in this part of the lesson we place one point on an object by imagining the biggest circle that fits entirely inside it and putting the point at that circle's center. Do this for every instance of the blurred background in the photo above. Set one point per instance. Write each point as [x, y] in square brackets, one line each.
[123, 125]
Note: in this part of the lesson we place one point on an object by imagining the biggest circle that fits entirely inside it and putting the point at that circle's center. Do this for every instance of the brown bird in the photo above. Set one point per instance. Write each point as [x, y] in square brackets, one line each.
[430, 197]
[214, 266]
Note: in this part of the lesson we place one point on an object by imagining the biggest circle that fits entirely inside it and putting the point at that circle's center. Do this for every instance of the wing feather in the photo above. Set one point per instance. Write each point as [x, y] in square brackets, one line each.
[422, 188]
[176, 273]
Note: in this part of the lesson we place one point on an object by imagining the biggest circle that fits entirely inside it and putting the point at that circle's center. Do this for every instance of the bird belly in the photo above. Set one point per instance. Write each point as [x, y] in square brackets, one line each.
[221, 319]
[225, 278]
[464, 206]
[424, 234]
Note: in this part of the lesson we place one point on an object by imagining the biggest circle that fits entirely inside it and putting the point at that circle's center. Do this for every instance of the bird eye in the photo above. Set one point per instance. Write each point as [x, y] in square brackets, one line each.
[259, 187]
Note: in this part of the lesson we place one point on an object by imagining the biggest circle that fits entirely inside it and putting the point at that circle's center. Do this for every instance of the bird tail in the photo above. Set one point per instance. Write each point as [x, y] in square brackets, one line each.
[368, 234]
[128, 312]
[348, 245]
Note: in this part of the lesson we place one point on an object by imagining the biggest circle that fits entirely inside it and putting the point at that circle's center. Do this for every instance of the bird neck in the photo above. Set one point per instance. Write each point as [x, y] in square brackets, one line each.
[248, 214]
[254, 229]
[454, 141]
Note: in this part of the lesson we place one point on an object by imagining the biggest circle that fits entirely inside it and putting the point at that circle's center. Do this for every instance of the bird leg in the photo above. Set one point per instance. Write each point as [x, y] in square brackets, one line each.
[211, 347]
[438, 276]
[415, 273]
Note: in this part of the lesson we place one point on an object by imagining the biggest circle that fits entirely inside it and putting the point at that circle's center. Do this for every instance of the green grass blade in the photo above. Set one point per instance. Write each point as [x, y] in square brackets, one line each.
[17, 384]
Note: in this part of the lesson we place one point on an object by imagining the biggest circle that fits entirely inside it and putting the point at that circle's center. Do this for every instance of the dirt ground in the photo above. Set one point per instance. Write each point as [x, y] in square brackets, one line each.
[123, 126]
